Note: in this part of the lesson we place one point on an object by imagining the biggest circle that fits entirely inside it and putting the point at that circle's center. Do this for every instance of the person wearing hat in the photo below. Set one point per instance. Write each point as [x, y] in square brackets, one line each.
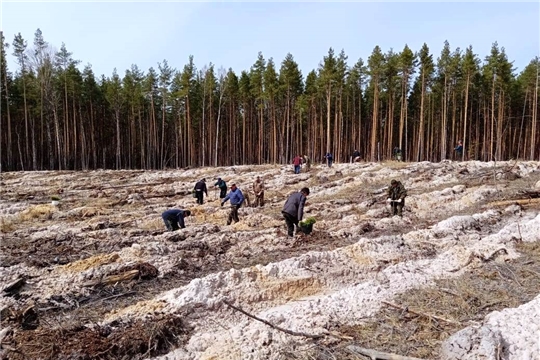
[293, 210]
[174, 219]
[258, 189]
[396, 197]
[199, 188]
[237, 198]
[222, 187]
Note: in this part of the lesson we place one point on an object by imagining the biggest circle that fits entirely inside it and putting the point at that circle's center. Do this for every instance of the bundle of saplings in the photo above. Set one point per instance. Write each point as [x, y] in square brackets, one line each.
[306, 226]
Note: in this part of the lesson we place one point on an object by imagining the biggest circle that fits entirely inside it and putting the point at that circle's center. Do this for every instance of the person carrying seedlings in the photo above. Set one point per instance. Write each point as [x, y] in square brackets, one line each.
[222, 185]
[258, 189]
[396, 197]
[174, 219]
[356, 156]
[293, 210]
[200, 188]
[237, 198]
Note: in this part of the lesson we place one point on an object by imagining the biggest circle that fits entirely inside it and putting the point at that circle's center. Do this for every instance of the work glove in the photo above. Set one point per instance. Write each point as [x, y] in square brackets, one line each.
[388, 200]
[398, 200]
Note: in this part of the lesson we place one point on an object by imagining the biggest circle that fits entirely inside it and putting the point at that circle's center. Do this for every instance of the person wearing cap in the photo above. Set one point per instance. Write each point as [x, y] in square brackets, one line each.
[174, 218]
[293, 210]
[200, 188]
[222, 187]
[258, 189]
[396, 197]
[237, 198]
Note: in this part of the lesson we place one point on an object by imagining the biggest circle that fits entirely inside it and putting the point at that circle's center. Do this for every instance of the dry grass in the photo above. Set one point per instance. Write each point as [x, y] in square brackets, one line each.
[41, 211]
[465, 300]
[396, 165]
[6, 225]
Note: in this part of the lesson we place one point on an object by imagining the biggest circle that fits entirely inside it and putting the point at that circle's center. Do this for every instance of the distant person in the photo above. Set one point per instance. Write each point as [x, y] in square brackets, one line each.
[307, 161]
[459, 150]
[222, 185]
[329, 159]
[293, 210]
[297, 162]
[397, 153]
[356, 156]
[396, 197]
[200, 188]
[237, 199]
[174, 219]
[258, 189]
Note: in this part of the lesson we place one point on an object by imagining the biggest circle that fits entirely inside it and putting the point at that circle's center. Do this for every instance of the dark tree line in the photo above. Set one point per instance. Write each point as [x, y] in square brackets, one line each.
[55, 116]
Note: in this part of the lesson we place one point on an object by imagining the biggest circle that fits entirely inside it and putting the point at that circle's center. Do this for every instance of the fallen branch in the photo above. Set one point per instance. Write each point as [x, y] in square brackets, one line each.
[290, 332]
[374, 354]
[112, 279]
[429, 316]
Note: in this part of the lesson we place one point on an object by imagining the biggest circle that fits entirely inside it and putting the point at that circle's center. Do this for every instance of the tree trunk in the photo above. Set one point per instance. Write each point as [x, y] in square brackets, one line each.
[465, 121]
[534, 116]
[420, 149]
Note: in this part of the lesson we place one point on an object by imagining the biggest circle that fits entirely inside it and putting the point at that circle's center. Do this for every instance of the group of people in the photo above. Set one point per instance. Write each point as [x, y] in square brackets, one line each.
[293, 209]
[174, 218]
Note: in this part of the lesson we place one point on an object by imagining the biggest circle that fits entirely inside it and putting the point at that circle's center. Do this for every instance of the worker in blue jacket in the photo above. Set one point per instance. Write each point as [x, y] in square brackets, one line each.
[174, 218]
[237, 199]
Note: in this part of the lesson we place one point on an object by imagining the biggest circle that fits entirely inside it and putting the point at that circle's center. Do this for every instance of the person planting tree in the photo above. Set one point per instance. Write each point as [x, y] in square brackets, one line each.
[293, 210]
[174, 218]
[396, 197]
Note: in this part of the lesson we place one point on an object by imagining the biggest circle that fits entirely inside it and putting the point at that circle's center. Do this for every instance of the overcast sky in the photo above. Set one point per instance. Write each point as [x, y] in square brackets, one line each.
[112, 35]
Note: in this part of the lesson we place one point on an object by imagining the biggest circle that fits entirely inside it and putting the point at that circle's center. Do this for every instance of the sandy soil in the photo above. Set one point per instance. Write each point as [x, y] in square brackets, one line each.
[97, 276]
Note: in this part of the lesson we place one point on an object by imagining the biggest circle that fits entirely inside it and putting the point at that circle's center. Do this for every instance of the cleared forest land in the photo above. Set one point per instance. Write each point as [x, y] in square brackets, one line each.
[96, 276]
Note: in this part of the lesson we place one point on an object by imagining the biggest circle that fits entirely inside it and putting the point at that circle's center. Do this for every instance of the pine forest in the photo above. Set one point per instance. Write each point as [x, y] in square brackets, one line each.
[58, 115]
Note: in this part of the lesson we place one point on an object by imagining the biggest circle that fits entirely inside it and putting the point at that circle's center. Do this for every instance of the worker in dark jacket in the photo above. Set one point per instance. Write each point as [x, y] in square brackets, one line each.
[356, 156]
[293, 210]
[222, 185]
[200, 188]
[237, 198]
[329, 159]
[396, 197]
[174, 218]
